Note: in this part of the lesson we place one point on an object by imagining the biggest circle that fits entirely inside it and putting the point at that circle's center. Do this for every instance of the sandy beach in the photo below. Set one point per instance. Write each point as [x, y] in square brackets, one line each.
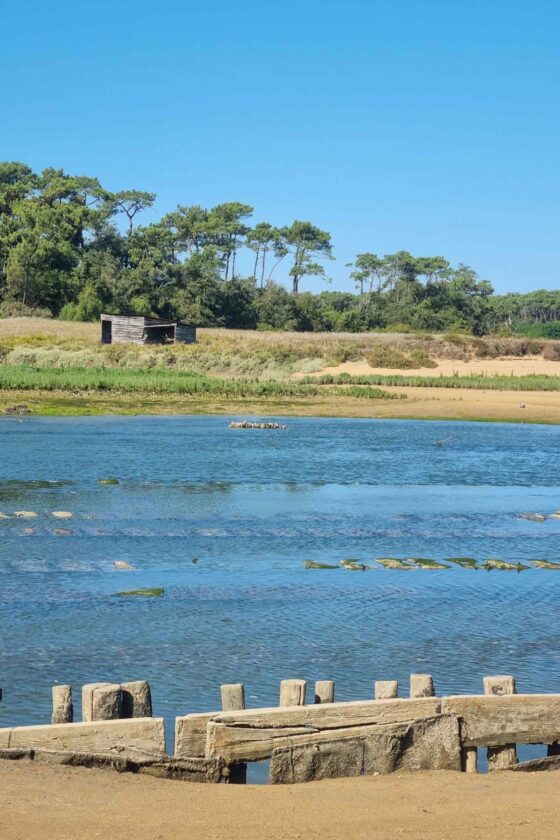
[58, 803]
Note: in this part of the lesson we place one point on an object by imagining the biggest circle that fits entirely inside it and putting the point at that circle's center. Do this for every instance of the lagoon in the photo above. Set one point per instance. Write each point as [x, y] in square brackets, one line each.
[224, 519]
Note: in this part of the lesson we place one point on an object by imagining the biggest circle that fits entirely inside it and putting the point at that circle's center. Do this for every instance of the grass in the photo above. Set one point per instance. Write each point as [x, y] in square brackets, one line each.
[76, 380]
[495, 382]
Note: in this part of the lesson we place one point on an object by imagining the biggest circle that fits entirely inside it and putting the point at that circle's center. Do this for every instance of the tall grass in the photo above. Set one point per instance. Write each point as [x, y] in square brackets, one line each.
[496, 382]
[76, 380]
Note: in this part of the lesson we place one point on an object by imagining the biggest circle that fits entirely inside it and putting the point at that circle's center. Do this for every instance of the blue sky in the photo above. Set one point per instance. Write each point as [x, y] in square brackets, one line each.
[428, 126]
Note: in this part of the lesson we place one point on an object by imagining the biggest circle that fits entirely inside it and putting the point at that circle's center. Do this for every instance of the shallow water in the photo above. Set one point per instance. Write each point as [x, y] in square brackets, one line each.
[249, 507]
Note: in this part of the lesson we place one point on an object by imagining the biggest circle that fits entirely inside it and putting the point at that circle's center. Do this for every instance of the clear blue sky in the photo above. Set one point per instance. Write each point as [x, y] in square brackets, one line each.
[425, 125]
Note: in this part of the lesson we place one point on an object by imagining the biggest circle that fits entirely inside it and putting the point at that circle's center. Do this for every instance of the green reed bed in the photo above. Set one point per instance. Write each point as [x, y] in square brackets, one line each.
[498, 382]
[74, 380]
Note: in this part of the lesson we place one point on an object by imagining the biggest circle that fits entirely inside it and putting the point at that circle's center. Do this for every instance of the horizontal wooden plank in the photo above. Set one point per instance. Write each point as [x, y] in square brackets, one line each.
[253, 734]
[129, 738]
[494, 721]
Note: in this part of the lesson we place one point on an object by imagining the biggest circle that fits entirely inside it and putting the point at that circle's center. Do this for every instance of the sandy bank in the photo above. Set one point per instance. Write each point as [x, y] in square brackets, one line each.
[421, 404]
[57, 803]
[510, 366]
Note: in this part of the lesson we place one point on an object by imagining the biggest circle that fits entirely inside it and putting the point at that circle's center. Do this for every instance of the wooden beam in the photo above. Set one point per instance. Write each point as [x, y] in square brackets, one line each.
[496, 721]
[128, 738]
[252, 735]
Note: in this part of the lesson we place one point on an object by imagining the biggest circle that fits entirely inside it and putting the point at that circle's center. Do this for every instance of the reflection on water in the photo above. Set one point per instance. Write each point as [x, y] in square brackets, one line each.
[223, 520]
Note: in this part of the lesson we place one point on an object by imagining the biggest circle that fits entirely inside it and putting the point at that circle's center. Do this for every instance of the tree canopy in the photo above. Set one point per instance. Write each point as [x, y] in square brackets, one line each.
[71, 248]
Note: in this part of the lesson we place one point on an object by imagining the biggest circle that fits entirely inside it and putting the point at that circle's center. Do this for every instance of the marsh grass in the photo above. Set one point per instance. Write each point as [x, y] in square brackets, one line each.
[76, 380]
[494, 382]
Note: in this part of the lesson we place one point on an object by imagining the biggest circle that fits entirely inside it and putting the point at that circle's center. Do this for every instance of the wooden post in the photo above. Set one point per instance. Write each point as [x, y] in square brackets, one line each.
[107, 702]
[62, 706]
[292, 693]
[87, 700]
[136, 699]
[386, 689]
[469, 758]
[233, 700]
[324, 691]
[421, 685]
[499, 757]
[233, 697]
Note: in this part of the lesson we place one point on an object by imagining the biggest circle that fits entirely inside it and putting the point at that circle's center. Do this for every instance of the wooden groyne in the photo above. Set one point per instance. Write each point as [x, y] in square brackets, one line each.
[304, 742]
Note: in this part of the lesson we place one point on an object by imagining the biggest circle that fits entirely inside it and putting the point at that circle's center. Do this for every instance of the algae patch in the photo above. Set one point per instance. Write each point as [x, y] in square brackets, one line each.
[313, 564]
[425, 563]
[503, 565]
[546, 564]
[155, 592]
[464, 562]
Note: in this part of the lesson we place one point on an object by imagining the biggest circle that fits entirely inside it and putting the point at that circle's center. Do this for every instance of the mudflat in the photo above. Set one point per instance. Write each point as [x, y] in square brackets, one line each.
[60, 803]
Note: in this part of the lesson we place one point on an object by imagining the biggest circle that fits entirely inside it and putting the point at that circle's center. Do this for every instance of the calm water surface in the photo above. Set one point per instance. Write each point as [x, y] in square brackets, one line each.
[250, 507]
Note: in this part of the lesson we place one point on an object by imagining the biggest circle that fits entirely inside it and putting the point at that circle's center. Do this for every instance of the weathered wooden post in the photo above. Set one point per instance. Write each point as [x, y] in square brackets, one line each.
[101, 701]
[499, 757]
[324, 691]
[469, 759]
[136, 699]
[233, 700]
[62, 706]
[233, 697]
[292, 693]
[421, 685]
[386, 689]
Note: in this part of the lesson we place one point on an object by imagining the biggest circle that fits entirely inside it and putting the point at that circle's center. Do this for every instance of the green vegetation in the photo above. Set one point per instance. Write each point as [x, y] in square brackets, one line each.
[425, 563]
[314, 564]
[494, 382]
[75, 380]
[110, 480]
[385, 356]
[71, 248]
[546, 564]
[503, 565]
[155, 592]
[464, 562]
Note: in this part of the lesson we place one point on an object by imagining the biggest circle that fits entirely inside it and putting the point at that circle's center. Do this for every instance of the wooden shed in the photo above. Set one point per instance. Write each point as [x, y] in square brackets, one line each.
[142, 329]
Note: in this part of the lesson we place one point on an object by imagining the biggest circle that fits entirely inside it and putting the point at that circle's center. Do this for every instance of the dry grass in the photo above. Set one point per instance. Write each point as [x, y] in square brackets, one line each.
[45, 342]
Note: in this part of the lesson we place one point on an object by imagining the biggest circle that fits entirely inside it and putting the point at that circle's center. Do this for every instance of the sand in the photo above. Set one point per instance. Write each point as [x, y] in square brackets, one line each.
[58, 803]
[507, 366]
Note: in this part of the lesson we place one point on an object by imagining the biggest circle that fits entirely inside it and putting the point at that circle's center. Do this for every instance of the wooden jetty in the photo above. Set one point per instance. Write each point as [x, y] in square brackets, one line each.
[304, 742]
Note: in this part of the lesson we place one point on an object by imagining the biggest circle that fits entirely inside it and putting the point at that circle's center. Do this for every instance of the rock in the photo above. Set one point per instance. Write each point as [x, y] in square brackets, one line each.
[546, 564]
[532, 517]
[4, 516]
[20, 410]
[394, 563]
[122, 564]
[313, 564]
[427, 744]
[156, 592]
[354, 566]
[62, 514]
[25, 514]
[248, 424]
[503, 565]
[63, 532]
[425, 563]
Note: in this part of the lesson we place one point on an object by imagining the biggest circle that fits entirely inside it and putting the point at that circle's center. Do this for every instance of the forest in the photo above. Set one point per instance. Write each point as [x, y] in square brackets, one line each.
[71, 249]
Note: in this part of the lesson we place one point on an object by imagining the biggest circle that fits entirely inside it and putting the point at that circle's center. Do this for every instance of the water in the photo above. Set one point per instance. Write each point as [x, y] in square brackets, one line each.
[249, 507]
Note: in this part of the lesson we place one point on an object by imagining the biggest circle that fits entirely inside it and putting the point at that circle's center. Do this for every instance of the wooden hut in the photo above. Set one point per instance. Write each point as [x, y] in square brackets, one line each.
[141, 329]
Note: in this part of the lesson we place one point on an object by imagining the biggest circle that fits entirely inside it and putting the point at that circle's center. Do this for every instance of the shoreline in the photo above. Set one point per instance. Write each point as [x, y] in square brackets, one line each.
[421, 403]
[70, 802]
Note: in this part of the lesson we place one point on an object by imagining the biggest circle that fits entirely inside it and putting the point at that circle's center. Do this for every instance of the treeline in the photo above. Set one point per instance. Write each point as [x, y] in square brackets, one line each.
[71, 248]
